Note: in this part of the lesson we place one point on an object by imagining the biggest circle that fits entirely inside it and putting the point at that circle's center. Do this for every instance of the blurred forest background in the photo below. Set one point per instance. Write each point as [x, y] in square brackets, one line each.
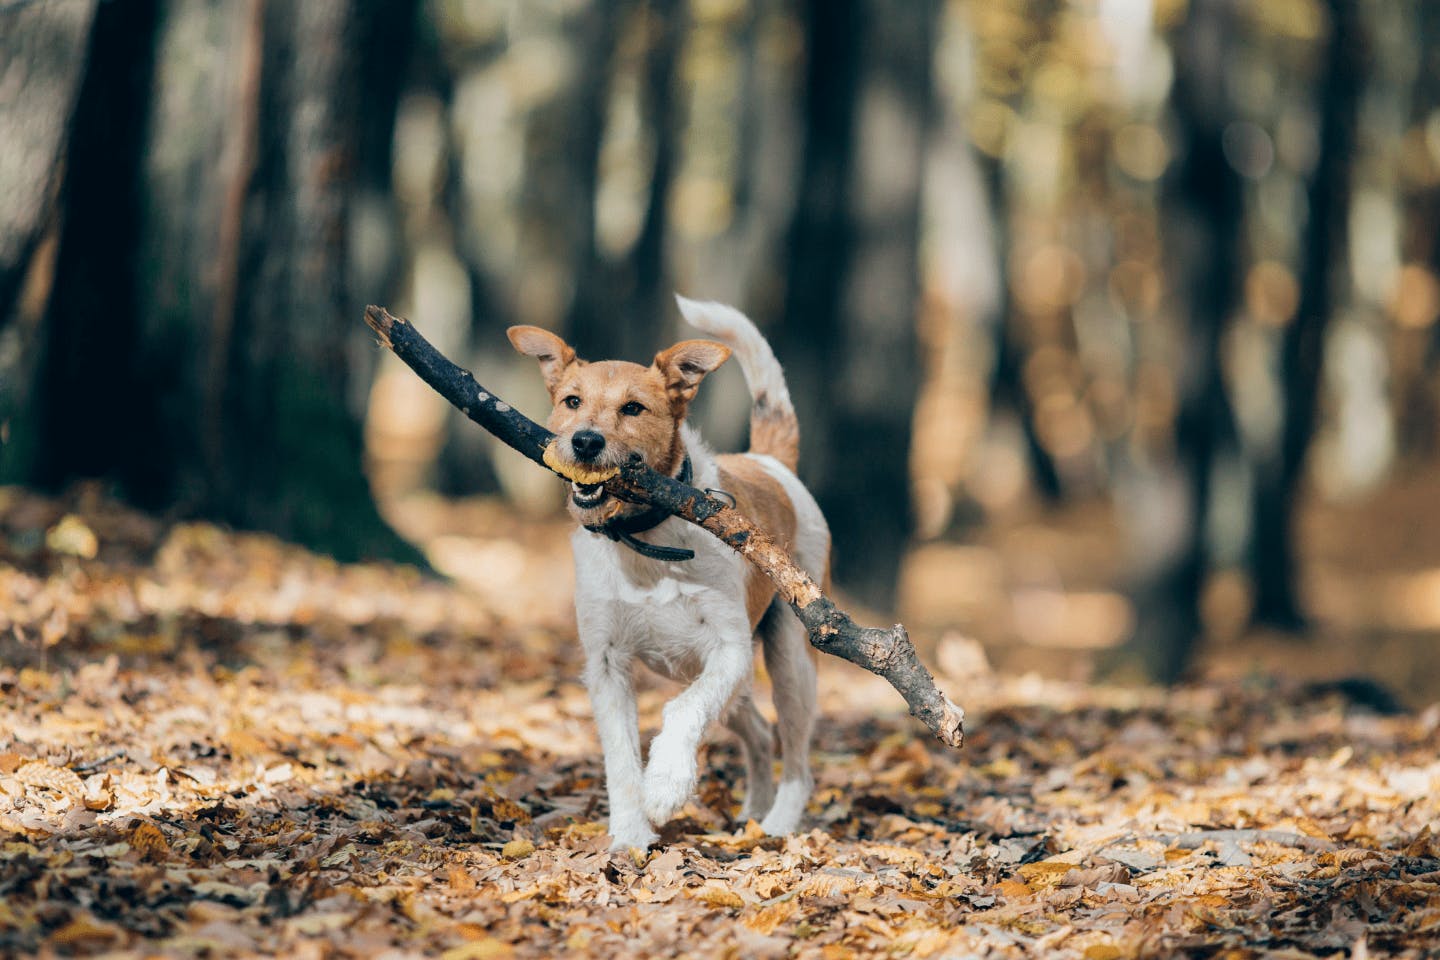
[1111, 323]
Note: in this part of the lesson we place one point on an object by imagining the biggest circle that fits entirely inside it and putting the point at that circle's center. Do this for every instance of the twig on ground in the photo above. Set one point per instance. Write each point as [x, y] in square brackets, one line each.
[90, 765]
[888, 653]
[1198, 838]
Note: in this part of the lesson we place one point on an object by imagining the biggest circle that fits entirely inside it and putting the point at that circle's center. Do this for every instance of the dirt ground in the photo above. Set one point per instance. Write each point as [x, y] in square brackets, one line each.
[215, 744]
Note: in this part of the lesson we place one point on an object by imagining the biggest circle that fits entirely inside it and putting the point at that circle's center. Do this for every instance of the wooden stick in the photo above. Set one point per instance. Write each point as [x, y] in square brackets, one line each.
[887, 653]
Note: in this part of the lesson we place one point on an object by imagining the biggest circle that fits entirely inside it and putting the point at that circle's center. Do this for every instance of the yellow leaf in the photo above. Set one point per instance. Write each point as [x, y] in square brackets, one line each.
[517, 848]
[71, 536]
[478, 950]
[84, 930]
[765, 920]
[460, 879]
[1046, 873]
[147, 839]
[717, 896]
[1013, 889]
[1104, 951]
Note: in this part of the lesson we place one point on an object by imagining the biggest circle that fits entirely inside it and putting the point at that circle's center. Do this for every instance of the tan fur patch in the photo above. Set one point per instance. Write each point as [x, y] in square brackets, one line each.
[602, 392]
[759, 496]
[777, 435]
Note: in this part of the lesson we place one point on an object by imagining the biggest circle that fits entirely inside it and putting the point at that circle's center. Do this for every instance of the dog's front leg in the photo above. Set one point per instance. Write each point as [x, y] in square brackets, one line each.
[670, 774]
[612, 697]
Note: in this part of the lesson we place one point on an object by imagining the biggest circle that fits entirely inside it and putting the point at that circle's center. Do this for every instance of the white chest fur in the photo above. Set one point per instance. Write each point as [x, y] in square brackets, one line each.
[669, 616]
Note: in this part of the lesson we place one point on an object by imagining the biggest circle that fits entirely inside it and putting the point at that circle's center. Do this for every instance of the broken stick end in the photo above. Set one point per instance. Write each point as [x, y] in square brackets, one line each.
[381, 321]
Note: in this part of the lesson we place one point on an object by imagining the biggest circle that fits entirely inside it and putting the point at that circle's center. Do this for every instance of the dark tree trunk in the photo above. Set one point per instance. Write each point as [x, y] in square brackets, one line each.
[42, 48]
[621, 307]
[202, 277]
[586, 317]
[1008, 391]
[1168, 506]
[1007, 383]
[93, 322]
[1278, 472]
[1418, 412]
[852, 298]
[646, 300]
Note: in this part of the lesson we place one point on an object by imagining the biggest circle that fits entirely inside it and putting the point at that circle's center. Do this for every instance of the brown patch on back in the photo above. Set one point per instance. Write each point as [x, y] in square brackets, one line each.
[775, 433]
[760, 497]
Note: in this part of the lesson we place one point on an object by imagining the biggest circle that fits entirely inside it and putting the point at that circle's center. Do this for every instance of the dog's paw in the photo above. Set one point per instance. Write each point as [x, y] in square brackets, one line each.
[788, 809]
[632, 838]
[755, 807]
[669, 782]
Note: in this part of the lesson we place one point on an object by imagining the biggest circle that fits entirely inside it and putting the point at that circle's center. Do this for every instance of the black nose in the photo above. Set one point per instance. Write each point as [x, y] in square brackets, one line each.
[587, 444]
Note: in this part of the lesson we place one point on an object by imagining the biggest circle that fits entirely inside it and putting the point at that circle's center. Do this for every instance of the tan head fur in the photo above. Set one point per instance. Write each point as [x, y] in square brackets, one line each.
[636, 409]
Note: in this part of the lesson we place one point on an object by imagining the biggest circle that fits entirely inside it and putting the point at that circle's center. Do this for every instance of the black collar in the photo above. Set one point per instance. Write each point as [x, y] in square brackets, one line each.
[623, 529]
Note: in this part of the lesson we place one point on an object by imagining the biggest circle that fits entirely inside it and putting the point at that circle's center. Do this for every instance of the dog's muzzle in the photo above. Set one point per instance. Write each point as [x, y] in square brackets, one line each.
[587, 495]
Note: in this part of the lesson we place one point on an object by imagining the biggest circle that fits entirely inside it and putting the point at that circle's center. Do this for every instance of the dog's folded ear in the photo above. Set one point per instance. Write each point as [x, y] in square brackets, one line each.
[553, 353]
[684, 365]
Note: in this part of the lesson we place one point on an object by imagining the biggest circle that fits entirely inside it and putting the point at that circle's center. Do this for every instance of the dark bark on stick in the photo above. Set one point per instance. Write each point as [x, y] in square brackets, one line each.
[886, 653]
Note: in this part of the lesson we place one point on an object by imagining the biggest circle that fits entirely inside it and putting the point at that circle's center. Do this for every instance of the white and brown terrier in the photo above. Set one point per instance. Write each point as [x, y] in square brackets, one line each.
[681, 602]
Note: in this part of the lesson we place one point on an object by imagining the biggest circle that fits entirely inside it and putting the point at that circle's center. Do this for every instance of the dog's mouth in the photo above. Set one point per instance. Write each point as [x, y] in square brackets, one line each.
[587, 496]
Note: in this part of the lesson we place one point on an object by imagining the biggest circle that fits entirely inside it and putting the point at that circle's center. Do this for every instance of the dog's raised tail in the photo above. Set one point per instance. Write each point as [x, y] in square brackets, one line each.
[773, 427]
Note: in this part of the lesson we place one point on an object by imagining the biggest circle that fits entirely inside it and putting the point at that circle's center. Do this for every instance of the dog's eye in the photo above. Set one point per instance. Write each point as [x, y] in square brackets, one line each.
[632, 409]
[572, 401]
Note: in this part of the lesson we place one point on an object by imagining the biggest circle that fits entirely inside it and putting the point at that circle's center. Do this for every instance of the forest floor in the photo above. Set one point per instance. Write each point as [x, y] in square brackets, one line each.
[216, 744]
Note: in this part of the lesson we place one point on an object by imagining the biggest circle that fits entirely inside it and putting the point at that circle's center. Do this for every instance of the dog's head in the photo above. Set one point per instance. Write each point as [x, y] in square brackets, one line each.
[605, 411]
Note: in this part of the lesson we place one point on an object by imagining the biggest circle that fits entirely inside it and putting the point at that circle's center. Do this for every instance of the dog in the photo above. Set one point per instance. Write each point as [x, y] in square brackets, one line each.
[680, 601]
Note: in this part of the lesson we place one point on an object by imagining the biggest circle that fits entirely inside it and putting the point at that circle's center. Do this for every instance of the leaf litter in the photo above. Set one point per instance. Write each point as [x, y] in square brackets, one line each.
[215, 744]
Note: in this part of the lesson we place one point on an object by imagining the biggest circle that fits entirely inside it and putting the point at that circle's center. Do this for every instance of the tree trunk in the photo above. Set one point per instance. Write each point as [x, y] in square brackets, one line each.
[621, 306]
[1278, 472]
[205, 216]
[43, 49]
[1167, 505]
[92, 323]
[1007, 382]
[853, 294]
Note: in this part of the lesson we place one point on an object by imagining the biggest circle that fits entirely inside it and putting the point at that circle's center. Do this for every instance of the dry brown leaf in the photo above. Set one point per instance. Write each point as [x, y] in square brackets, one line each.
[487, 948]
[148, 841]
[1014, 889]
[86, 932]
[60, 779]
[716, 895]
[517, 848]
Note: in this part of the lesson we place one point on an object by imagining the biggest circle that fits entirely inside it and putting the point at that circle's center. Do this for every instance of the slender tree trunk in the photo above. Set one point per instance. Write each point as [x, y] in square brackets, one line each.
[1007, 382]
[1167, 505]
[852, 300]
[591, 282]
[1279, 472]
[647, 302]
[622, 305]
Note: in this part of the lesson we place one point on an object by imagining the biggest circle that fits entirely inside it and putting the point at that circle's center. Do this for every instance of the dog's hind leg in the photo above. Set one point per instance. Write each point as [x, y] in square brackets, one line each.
[792, 677]
[757, 740]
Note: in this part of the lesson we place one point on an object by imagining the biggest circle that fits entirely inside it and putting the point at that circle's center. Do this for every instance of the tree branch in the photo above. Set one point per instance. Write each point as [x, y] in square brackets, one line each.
[886, 653]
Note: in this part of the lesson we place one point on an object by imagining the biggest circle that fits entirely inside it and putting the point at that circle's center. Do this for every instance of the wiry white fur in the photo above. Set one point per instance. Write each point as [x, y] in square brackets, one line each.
[763, 372]
[688, 621]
